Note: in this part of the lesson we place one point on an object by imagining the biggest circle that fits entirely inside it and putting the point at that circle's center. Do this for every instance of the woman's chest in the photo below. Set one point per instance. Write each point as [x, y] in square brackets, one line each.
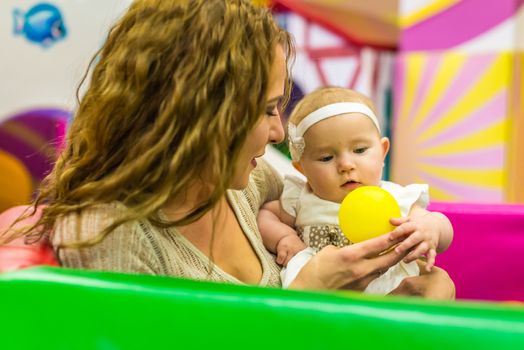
[236, 255]
[222, 239]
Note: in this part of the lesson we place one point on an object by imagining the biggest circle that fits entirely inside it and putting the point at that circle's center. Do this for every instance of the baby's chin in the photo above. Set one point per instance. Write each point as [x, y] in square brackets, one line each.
[336, 199]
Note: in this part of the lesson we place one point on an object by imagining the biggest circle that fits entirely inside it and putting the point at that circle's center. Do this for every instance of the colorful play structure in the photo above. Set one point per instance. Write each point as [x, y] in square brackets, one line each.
[447, 76]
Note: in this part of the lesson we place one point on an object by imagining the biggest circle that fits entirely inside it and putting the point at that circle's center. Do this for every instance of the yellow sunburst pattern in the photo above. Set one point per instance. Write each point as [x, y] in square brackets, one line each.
[454, 122]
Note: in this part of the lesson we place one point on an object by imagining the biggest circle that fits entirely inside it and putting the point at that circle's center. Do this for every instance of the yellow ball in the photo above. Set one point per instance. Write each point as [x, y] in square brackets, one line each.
[365, 212]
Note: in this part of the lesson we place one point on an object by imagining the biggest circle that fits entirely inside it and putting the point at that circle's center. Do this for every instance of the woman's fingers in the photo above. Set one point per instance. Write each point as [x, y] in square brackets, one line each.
[437, 283]
[374, 246]
[419, 251]
[382, 263]
[372, 268]
[402, 231]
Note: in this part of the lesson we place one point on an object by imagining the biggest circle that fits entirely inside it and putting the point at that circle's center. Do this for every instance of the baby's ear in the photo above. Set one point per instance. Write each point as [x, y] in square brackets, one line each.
[385, 146]
[297, 166]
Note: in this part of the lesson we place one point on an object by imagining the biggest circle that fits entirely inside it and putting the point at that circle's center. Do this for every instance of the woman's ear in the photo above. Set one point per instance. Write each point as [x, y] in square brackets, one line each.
[385, 147]
[297, 166]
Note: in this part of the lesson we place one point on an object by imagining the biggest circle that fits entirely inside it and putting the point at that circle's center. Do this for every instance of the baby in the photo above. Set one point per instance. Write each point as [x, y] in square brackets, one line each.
[335, 141]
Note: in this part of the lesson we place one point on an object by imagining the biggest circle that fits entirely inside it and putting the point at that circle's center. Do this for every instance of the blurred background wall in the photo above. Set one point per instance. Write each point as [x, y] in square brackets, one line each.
[445, 75]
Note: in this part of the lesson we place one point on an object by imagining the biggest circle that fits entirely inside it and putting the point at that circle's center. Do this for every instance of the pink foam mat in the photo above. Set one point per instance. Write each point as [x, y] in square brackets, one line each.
[486, 258]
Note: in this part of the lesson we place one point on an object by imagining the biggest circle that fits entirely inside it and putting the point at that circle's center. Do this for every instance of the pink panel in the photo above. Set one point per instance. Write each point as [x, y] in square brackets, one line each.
[17, 254]
[457, 24]
[485, 259]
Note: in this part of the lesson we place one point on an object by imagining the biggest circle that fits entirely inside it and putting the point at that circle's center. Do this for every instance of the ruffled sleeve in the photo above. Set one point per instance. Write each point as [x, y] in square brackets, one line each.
[293, 187]
[409, 195]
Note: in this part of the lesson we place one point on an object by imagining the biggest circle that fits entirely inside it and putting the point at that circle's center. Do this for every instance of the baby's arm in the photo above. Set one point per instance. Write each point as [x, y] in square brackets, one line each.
[278, 235]
[429, 233]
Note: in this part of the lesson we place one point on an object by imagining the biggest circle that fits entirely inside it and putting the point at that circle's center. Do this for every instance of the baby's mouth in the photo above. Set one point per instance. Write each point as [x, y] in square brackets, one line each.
[350, 185]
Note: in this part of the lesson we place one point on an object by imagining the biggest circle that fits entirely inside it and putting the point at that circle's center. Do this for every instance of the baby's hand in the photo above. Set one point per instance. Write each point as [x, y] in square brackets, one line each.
[288, 247]
[423, 232]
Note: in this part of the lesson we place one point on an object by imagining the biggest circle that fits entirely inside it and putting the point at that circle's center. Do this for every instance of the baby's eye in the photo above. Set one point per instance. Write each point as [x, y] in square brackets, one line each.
[325, 158]
[360, 150]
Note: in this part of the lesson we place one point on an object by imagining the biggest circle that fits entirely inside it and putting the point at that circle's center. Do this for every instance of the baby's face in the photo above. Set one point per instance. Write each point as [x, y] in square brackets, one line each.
[341, 154]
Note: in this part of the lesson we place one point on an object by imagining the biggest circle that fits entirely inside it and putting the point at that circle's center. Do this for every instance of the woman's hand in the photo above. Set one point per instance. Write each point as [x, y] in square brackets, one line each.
[435, 285]
[352, 267]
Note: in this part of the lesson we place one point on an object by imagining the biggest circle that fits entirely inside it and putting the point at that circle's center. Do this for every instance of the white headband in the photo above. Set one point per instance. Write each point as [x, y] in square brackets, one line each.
[296, 132]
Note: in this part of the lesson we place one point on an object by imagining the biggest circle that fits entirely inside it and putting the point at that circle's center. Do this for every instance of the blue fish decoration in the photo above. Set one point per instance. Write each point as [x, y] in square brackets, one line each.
[42, 24]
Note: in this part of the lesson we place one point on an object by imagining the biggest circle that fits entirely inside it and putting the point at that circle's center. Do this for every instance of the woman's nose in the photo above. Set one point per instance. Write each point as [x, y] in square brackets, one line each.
[276, 131]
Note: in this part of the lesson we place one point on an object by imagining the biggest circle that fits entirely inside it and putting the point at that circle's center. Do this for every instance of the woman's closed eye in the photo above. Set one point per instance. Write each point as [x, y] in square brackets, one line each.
[273, 108]
[272, 111]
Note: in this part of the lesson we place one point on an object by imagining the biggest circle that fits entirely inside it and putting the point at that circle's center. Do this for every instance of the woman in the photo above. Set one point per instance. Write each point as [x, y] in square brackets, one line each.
[160, 174]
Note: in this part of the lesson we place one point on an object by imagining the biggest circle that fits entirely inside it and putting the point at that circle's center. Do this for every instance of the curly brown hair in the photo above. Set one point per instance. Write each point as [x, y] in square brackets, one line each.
[176, 88]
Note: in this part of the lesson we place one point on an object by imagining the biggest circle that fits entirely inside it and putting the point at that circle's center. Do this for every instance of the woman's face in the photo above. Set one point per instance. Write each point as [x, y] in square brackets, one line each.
[269, 127]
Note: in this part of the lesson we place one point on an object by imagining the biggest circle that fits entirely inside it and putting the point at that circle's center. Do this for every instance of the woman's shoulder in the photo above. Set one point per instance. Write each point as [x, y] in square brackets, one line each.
[94, 239]
[97, 212]
[89, 222]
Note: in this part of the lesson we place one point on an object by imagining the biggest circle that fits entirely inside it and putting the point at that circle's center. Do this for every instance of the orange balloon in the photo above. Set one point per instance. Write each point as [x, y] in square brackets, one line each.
[16, 184]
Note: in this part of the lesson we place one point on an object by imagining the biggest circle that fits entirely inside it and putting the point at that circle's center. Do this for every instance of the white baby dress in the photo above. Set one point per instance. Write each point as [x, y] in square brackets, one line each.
[316, 222]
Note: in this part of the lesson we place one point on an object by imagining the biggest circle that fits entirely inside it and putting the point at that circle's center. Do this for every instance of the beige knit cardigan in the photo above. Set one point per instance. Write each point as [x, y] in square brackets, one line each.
[140, 247]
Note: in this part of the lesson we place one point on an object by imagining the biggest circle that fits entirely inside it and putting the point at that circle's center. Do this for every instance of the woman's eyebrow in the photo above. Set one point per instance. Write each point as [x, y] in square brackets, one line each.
[275, 99]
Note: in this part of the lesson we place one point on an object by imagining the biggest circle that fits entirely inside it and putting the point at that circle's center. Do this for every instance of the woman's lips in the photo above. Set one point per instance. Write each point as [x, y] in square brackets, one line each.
[254, 162]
